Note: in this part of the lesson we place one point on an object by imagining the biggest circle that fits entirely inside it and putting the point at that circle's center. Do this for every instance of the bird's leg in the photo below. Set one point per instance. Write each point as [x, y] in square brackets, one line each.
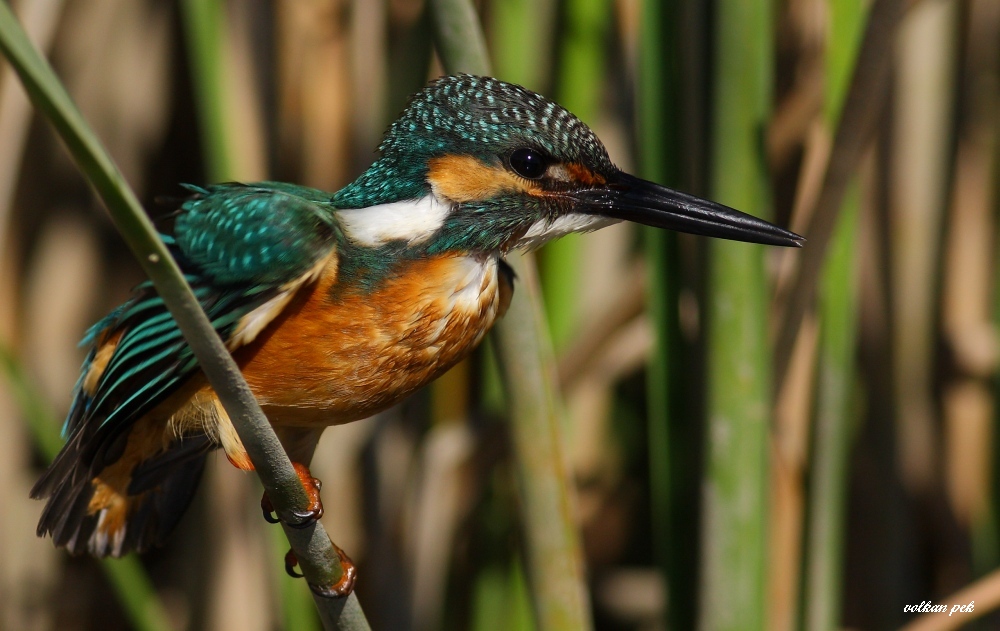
[343, 587]
[301, 519]
[297, 519]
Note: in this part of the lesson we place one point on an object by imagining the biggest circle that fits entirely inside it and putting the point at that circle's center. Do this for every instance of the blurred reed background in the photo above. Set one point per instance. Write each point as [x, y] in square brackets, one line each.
[758, 439]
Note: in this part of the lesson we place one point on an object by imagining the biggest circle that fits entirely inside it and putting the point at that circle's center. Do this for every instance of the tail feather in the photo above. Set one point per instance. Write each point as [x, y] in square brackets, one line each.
[68, 506]
[73, 526]
[100, 513]
[65, 482]
[65, 469]
[159, 514]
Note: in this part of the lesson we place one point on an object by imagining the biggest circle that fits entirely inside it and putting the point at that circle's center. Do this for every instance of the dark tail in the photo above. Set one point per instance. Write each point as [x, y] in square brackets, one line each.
[118, 508]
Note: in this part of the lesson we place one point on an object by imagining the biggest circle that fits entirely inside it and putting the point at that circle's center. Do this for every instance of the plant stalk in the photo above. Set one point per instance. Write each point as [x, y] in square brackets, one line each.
[838, 291]
[733, 580]
[318, 561]
[554, 560]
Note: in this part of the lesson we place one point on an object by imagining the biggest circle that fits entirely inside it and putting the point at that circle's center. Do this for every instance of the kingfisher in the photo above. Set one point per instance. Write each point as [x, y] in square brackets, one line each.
[337, 306]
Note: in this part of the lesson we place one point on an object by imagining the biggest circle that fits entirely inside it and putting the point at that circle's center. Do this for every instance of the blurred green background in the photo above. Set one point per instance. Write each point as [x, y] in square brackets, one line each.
[756, 439]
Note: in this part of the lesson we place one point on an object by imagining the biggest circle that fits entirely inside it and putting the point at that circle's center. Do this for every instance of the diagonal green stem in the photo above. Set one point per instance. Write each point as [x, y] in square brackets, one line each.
[554, 559]
[206, 36]
[315, 552]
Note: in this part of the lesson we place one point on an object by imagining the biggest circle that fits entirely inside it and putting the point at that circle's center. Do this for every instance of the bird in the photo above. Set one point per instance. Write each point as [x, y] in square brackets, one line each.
[337, 306]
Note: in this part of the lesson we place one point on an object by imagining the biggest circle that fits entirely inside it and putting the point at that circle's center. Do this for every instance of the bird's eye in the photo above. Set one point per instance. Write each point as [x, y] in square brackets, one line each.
[528, 163]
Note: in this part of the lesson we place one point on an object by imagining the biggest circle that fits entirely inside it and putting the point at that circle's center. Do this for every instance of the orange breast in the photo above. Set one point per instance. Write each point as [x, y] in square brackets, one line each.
[337, 356]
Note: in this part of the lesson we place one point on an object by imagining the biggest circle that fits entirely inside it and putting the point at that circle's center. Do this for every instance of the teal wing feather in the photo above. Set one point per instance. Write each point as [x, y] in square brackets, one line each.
[239, 246]
[265, 234]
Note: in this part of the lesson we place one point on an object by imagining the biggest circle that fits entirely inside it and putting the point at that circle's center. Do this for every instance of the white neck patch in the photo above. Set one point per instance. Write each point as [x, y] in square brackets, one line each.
[544, 230]
[413, 221]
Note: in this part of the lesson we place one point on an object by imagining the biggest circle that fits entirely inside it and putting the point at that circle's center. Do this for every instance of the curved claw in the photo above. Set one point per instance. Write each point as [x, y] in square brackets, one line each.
[303, 519]
[290, 562]
[342, 588]
[295, 518]
[268, 509]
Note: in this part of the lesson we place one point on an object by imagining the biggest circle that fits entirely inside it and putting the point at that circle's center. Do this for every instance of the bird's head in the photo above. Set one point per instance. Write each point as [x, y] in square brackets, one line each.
[475, 163]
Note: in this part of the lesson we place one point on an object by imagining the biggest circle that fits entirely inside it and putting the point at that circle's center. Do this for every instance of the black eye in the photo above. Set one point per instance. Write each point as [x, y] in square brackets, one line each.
[528, 163]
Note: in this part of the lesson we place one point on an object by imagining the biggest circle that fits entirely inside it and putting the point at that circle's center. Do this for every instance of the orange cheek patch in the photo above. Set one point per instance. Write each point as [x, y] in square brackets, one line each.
[466, 179]
[583, 175]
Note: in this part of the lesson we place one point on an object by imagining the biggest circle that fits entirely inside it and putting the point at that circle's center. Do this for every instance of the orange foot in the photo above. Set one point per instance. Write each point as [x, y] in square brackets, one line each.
[343, 587]
[297, 519]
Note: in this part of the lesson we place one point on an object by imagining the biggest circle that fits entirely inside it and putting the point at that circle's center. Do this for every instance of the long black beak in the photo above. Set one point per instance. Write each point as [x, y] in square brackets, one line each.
[634, 199]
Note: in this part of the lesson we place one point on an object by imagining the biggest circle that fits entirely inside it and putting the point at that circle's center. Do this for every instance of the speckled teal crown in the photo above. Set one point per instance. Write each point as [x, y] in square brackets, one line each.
[466, 114]
[490, 114]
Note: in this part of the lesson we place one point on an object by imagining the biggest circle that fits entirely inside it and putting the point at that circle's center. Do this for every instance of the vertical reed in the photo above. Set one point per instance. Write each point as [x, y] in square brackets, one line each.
[838, 308]
[554, 559]
[738, 388]
[659, 87]
[579, 85]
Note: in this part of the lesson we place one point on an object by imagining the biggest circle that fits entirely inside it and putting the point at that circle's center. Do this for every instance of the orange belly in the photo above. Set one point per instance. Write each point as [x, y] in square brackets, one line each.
[335, 356]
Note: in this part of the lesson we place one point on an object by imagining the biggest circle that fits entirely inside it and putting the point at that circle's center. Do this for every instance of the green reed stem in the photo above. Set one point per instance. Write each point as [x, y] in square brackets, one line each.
[205, 36]
[315, 552]
[579, 86]
[733, 580]
[554, 559]
[838, 291]
[659, 145]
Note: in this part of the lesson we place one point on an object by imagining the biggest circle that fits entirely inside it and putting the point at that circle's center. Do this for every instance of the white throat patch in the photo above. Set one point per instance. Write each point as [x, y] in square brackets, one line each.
[413, 221]
[544, 230]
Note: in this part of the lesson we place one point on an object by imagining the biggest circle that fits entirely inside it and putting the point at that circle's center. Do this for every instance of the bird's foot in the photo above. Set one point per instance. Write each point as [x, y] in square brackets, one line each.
[343, 587]
[295, 518]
